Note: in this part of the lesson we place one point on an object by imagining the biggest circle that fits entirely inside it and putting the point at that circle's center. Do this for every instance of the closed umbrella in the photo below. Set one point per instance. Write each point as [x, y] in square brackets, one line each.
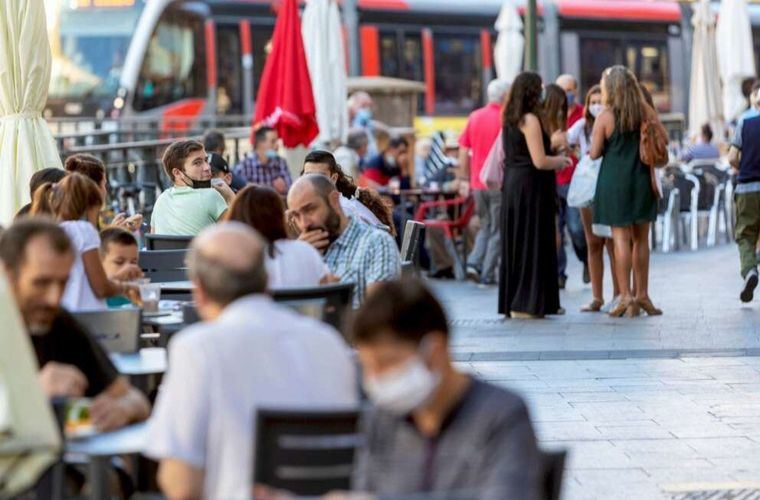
[325, 55]
[705, 105]
[508, 50]
[26, 144]
[285, 101]
[735, 54]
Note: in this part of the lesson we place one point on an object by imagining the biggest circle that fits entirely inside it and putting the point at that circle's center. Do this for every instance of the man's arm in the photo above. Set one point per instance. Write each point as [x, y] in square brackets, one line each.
[179, 480]
[385, 260]
[120, 404]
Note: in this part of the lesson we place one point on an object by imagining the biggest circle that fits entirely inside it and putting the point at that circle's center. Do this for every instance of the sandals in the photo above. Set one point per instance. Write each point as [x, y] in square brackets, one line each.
[593, 306]
[649, 308]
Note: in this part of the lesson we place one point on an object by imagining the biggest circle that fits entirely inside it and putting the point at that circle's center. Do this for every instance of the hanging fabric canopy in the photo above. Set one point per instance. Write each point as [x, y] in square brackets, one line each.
[705, 104]
[285, 101]
[510, 43]
[26, 144]
[736, 55]
[325, 55]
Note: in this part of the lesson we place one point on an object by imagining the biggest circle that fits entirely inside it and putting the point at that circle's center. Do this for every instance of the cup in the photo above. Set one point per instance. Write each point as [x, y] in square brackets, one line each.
[150, 294]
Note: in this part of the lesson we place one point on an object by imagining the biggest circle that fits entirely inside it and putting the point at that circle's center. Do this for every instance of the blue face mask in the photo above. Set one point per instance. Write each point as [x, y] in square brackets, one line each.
[271, 154]
[570, 98]
[363, 117]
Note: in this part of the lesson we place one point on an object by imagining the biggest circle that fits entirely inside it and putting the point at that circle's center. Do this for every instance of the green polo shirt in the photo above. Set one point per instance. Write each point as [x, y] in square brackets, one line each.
[186, 211]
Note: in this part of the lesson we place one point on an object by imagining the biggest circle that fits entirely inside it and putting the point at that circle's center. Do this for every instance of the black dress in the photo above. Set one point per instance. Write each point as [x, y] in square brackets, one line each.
[528, 276]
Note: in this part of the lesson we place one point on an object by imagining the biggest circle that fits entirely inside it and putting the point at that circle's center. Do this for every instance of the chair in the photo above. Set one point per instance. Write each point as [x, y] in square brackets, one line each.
[327, 303]
[163, 265]
[554, 468]
[451, 228]
[117, 330]
[688, 189]
[407, 269]
[305, 452]
[411, 240]
[167, 242]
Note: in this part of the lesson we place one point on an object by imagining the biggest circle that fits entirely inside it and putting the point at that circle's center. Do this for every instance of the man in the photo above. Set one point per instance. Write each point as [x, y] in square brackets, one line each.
[214, 144]
[38, 257]
[265, 166]
[477, 139]
[354, 252]
[350, 156]
[189, 205]
[570, 216]
[434, 429]
[119, 255]
[703, 149]
[360, 115]
[392, 162]
[249, 353]
[744, 156]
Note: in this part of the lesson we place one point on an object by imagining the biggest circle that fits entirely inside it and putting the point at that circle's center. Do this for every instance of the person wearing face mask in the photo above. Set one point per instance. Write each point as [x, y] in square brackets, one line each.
[392, 162]
[361, 117]
[431, 429]
[189, 205]
[579, 135]
[265, 166]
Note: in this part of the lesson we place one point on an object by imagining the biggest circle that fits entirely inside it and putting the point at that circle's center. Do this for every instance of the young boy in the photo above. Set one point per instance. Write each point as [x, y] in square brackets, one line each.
[118, 254]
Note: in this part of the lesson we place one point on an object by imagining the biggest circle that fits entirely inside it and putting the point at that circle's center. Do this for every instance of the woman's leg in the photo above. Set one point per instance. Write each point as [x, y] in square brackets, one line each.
[640, 235]
[621, 237]
[609, 244]
[595, 246]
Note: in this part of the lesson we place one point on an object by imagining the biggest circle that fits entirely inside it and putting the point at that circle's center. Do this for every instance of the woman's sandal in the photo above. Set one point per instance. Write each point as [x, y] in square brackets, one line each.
[649, 308]
[620, 309]
[593, 306]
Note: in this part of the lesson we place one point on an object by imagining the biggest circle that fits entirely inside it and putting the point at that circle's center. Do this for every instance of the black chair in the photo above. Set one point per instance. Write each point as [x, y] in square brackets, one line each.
[327, 303]
[554, 469]
[407, 269]
[117, 330]
[164, 265]
[305, 452]
[167, 242]
[411, 240]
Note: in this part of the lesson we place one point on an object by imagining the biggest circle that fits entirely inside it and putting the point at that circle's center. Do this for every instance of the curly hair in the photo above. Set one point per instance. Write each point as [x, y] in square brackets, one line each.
[623, 96]
[524, 97]
[554, 109]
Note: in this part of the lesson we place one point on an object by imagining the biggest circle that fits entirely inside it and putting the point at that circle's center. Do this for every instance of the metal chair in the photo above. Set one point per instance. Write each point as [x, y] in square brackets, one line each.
[328, 303]
[305, 452]
[688, 189]
[163, 265]
[452, 228]
[117, 330]
[167, 242]
[411, 240]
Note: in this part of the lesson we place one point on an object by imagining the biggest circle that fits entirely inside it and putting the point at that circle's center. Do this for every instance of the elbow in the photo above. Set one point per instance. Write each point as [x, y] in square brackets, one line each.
[175, 489]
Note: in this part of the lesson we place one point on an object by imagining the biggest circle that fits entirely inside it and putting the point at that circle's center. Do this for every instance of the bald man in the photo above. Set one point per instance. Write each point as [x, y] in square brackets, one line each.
[248, 353]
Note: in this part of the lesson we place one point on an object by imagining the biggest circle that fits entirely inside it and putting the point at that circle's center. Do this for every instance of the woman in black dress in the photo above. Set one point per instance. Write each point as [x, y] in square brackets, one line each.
[528, 287]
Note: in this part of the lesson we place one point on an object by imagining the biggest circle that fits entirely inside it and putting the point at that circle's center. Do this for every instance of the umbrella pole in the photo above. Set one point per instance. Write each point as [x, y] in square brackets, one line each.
[531, 37]
[351, 17]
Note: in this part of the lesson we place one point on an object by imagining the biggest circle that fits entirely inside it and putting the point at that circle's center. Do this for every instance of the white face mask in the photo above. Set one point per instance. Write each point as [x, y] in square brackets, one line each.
[404, 389]
[595, 109]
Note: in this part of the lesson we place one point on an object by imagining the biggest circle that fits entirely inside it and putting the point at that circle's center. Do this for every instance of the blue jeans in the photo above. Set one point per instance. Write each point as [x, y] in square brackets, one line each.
[571, 218]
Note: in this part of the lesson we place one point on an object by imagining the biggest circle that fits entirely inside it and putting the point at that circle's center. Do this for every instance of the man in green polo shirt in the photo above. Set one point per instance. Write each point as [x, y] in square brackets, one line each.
[193, 202]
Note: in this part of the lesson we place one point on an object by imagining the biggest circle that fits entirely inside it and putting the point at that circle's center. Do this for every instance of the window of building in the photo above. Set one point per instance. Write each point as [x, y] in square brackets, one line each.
[458, 71]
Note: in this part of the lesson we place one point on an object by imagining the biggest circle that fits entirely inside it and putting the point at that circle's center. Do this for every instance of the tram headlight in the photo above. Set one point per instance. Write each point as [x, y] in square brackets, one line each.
[118, 103]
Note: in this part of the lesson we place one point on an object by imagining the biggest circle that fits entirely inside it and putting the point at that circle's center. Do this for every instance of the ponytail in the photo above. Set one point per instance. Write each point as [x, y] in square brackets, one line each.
[69, 199]
[42, 199]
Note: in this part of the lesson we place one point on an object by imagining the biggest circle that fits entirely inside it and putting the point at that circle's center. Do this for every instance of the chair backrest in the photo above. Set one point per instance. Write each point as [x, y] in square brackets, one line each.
[554, 469]
[117, 330]
[303, 452]
[411, 240]
[327, 303]
[407, 269]
[167, 242]
[163, 265]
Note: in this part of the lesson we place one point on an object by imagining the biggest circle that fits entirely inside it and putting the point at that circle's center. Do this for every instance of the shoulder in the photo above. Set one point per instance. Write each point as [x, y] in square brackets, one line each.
[65, 324]
[81, 231]
[377, 235]
[505, 406]
[530, 120]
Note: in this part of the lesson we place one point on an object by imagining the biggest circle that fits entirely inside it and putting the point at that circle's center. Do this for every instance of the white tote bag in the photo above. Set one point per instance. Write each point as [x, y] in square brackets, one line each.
[583, 184]
[492, 173]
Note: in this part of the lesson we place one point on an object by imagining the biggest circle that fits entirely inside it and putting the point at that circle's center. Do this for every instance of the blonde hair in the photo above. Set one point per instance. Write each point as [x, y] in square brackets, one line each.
[623, 97]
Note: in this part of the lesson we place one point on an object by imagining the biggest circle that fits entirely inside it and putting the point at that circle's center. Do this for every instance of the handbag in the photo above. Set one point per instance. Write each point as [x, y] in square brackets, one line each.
[653, 146]
[492, 173]
[583, 184]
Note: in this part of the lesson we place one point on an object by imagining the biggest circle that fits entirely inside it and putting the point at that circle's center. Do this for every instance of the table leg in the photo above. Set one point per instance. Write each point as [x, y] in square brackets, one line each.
[98, 480]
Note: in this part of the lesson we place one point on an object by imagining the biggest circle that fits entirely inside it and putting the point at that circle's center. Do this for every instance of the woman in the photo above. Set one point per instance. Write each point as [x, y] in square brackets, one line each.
[75, 201]
[580, 135]
[528, 286]
[289, 263]
[554, 116]
[624, 198]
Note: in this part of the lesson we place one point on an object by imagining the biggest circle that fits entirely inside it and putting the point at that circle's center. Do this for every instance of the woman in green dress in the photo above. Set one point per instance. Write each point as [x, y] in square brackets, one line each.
[624, 198]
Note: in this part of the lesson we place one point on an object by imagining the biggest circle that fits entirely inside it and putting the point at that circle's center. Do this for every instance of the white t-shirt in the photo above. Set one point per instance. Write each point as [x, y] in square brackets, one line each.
[257, 354]
[78, 295]
[356, 209]
[576, 136]
[295, 264]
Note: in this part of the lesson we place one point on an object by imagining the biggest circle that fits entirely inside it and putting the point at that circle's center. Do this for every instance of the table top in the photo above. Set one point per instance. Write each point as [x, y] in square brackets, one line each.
[176, 286]
[148, 361]
[125, 441]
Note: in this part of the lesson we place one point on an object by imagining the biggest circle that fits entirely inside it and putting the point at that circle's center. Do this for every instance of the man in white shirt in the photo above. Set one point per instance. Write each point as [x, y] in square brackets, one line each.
[249, 353]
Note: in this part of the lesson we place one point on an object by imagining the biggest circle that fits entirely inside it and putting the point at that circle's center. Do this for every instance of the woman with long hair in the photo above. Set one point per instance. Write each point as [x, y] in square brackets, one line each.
[289, 263]
[554, 114]
[75, 202]
[624, 198]
[528, 286]
[580, 135]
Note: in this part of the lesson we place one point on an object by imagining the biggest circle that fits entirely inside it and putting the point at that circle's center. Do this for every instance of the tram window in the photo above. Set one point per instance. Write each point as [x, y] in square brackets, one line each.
[262, 36]
[412, 58]
[174, 67]
[389, 62]
[458, 70]
[230, 86]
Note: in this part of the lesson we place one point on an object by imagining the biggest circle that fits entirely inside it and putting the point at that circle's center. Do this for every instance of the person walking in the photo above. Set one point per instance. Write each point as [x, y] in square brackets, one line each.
[624, 196]
[475, 143]
[528, 286]
[579, 135]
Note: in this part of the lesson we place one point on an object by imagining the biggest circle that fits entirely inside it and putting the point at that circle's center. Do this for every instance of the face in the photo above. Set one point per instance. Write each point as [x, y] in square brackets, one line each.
[196, 167]
[310, 212]
[384, 355]
[319, 168]
[269, 141]
[39, 283]
[595, 99]
[103, 188]
[400, 153]
[118, 257]
[227, 178]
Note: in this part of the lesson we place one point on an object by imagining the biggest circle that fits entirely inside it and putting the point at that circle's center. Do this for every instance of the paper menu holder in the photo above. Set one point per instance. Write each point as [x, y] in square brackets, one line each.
[30, 441]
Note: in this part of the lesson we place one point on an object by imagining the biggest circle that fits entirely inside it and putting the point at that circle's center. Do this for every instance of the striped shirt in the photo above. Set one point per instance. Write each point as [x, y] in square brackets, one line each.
[363, 255]
[253, 170]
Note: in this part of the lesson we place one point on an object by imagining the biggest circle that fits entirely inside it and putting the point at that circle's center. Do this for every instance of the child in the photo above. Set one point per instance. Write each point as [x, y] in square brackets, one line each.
[118, 254]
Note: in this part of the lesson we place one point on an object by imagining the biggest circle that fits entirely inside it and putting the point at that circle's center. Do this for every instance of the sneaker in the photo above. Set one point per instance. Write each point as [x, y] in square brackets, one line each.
[473, 274]
[586, 275]
[750, 283]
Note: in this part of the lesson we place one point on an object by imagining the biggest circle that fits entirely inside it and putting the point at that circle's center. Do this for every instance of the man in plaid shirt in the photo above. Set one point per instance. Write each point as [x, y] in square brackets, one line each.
[265, 167]
[354, 251]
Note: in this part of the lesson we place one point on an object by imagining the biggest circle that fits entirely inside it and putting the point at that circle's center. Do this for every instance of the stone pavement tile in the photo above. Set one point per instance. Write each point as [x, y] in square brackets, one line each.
[666, 477]
[715, 429]
[723, 447]
[567, 431]
[714, 362]
[592, 397]
[736, 409]
[633, 430]
[739, 463]
[610, 484]
[671, 445]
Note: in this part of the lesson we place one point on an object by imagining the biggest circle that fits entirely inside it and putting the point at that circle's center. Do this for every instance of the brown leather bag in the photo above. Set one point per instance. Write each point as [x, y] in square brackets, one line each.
[653, 146]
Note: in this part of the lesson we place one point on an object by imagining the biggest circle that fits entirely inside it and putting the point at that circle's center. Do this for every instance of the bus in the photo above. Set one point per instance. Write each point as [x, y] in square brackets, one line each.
[190, 58]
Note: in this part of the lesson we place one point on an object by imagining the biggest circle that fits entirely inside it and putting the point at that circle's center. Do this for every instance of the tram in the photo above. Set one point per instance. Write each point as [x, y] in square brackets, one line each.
[190, 58]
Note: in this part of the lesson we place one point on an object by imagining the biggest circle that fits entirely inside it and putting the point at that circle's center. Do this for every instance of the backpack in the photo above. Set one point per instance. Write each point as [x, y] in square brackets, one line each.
[653, 147]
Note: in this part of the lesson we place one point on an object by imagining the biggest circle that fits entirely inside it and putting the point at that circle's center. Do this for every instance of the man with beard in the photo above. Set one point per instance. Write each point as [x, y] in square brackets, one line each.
[354, 252]
[37, 257]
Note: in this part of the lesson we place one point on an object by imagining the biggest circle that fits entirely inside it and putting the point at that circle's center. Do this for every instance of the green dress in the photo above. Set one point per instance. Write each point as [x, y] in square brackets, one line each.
[624, 194]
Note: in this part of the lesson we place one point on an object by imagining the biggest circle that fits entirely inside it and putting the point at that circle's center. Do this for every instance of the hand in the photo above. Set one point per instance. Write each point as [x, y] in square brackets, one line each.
[119, 220]
[129, 272]
[226, 191]
[108, 413]
[328, 279]
[318, 238]
[559, 141]
[280, 185]
[464, 188]
[134, 222]
[567, 162]
[58, 379]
